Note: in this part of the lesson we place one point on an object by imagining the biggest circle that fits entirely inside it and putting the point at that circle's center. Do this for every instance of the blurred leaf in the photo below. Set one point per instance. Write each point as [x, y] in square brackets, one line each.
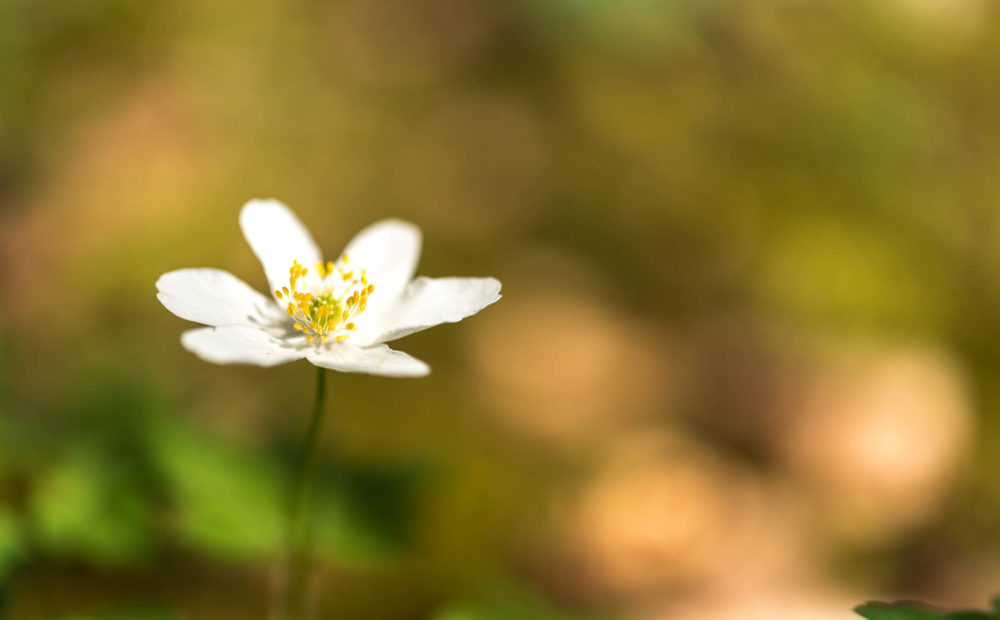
[363, 514]
[11, 548]
[528, 609]
[227, 503]
[896, 611]
[89, 507]
[505, 601]
[134, 614]
[911, 610]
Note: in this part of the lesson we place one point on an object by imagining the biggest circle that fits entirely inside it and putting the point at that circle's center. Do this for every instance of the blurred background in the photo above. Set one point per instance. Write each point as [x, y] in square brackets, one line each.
[747, 363]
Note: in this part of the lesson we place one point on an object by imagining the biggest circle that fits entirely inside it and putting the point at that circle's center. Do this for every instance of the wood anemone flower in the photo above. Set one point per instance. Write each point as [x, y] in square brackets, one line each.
[337, 314]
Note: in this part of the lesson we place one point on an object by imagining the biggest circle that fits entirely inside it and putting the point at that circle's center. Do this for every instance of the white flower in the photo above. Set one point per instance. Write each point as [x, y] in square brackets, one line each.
[335, 314]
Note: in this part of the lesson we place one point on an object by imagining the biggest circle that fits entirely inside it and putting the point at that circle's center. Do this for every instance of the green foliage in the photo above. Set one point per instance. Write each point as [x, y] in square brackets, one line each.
[130, 614]
[226, 503]
[90, 506]
[96, 496]
[230, 503]
[364, 514]
[11, 545]
[910, 610]
[506, 601]
[510, 610]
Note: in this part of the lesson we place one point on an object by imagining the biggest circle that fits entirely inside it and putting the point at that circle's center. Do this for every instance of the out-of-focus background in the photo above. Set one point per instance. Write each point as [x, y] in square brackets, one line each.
[747, 364]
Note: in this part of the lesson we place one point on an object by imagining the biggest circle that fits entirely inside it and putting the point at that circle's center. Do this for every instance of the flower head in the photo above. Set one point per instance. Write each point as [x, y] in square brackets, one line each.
[337, 314]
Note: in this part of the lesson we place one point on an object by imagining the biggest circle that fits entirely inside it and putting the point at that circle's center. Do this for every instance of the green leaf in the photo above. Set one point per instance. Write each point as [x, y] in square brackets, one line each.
[508, 610]
[227, 503]
[11, 546]
[912, 610]
[505, 602]
[365, 514]
[131, 614]
[88, 506]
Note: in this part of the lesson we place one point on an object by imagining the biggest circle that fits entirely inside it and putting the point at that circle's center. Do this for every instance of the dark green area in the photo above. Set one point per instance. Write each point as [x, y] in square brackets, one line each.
[909, 610]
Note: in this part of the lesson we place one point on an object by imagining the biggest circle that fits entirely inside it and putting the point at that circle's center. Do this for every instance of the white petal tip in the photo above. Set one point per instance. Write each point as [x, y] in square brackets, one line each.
[264, 203]
[396, 222]
[266, 209]
[496, 288]
[423, 372]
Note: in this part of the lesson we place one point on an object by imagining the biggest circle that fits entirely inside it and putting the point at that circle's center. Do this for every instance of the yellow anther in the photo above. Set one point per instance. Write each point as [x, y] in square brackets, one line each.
[344, 258]
[322, 308]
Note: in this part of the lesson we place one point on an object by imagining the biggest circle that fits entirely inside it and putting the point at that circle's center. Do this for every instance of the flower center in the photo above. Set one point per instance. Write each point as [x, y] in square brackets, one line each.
[325, 303]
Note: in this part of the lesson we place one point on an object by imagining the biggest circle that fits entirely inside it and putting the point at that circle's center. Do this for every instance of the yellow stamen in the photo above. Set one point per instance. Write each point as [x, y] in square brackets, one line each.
[322, 310]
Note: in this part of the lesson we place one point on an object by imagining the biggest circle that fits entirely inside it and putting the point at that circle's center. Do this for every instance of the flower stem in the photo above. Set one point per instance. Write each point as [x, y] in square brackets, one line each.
[301, 522]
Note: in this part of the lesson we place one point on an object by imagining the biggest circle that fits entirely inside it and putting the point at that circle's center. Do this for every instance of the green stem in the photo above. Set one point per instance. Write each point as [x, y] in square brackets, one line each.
[300, 530]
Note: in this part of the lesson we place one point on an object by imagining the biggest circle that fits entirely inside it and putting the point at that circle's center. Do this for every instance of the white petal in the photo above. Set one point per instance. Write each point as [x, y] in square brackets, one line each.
[238, 344]
[377, 360]
[215, 297]
[388, 250]
[278, 239]
[427, 302]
